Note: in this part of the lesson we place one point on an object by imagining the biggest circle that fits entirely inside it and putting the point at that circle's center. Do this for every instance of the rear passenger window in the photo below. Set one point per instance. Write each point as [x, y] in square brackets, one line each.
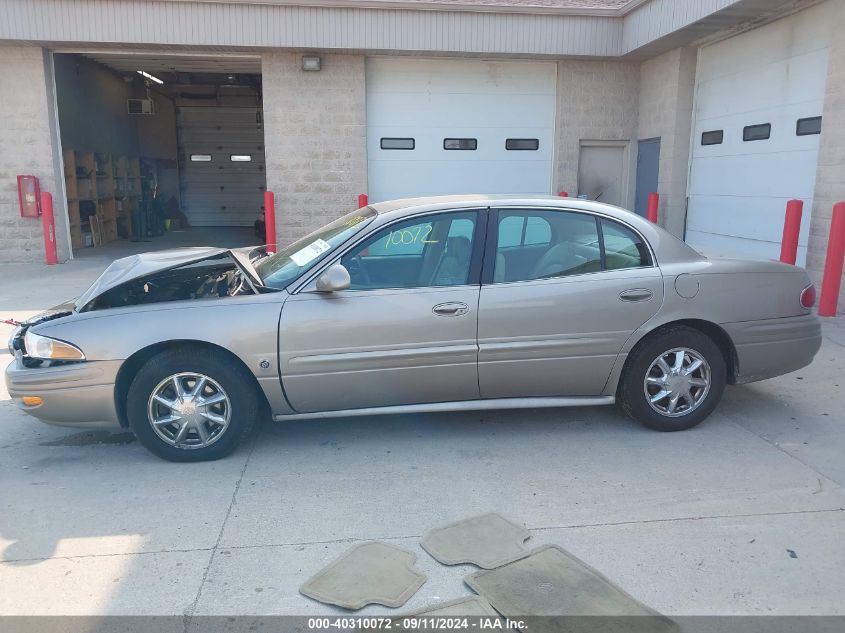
[537, 231]
[510, 231]
[545, 244]
[622, 247]
[519, 230]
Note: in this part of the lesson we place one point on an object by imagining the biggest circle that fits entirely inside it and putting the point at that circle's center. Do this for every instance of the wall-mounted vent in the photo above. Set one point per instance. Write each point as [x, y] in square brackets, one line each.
[140, 106]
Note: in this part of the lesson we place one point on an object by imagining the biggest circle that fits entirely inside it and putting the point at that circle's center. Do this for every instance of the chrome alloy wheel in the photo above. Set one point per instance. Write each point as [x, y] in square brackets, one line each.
[189, 410]
[677, 382]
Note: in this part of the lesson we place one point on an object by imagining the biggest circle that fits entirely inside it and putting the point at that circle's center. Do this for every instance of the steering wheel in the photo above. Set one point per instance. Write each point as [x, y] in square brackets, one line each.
[357, 272]
[237, 289]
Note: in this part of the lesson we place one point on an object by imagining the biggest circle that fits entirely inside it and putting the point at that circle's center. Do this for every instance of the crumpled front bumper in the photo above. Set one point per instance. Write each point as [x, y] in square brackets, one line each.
[75, 394]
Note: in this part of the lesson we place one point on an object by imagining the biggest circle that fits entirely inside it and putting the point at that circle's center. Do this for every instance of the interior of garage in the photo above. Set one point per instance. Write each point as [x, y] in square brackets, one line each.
[160, 151]
[757, 131]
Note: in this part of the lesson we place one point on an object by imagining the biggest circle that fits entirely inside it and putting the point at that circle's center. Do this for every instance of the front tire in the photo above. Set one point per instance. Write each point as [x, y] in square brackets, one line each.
[673, 380]
[189, 405]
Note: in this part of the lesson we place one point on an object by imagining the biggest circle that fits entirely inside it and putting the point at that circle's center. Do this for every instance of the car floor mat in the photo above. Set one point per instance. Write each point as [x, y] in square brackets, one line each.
[468, 606]
[488, 541]
[368, 573]
[552, 582]
[474, 607]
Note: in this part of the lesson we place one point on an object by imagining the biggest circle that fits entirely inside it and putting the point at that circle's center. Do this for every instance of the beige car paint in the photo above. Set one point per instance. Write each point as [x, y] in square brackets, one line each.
[74, 395]
[363, 348]
[244, 325]
[560, 336]
[380, 348]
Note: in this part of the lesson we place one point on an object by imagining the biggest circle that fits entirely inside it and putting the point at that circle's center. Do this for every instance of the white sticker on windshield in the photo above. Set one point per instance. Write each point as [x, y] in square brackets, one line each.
[310, 252]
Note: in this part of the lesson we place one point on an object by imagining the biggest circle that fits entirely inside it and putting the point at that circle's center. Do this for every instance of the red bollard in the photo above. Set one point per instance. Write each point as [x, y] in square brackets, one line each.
[653, 203]
[270, 221]
[563, 194]
[835, 258]
[791, 229]
[48, 222]
[363, 200]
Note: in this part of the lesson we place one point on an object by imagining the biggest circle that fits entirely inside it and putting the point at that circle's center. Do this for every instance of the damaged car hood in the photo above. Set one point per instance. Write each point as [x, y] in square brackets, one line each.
[135, 266]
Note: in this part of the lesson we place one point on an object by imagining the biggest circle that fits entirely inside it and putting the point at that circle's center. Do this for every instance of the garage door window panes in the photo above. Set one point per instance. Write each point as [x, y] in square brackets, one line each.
[714, 137]
[416, 253]
[240, 158]
[544, 244]
[809, 126]
[522, 144]
[201, 158]
[460, 143]
[397, 143]
[759, 132]
[623, 248]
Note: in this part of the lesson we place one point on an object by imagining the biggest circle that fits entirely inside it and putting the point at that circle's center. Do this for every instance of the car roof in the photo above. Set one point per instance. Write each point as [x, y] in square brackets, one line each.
[666, 246]
[413, 205]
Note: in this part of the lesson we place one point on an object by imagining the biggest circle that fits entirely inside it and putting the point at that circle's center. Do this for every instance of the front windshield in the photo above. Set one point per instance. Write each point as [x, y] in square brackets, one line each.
[278, 270]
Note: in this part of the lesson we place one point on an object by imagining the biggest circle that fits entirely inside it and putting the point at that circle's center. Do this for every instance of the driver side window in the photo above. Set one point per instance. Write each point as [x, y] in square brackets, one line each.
[433, 250]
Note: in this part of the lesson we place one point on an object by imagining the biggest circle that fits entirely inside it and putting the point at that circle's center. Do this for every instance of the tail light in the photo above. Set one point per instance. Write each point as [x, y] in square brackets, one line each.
[808, 296]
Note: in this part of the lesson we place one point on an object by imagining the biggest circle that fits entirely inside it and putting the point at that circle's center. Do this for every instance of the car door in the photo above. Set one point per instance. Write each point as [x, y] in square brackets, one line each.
[405, 330]
[552, 320]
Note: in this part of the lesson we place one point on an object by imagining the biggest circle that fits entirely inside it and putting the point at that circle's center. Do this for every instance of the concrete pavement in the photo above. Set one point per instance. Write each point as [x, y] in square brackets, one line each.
[699, 522]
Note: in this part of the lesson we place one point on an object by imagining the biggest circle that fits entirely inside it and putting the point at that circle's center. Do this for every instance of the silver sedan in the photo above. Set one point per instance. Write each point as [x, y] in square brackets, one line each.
[436, 304]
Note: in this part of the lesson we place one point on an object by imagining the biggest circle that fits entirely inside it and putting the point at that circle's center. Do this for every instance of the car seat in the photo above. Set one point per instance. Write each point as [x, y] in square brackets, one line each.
[557, 260]
[454, 265]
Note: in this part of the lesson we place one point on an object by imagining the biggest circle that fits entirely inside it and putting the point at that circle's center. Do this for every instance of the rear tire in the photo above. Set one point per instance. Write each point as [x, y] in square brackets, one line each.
[188, 404]
[673, 380]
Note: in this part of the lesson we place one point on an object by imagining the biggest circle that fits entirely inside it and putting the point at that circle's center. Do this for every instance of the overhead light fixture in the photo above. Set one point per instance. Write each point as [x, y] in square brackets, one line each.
[150, 77]
[310, 62]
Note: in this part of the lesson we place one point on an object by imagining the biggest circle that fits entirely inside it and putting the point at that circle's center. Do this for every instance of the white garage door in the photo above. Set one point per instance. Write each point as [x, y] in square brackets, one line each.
[459, 126]
[757, 85]
[221, 164]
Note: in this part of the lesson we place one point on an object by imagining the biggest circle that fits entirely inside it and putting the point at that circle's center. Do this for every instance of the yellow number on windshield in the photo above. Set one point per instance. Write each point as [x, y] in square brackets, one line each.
[406, 237]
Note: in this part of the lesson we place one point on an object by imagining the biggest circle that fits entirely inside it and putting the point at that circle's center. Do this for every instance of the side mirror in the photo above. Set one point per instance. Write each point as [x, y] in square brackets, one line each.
[334, 278]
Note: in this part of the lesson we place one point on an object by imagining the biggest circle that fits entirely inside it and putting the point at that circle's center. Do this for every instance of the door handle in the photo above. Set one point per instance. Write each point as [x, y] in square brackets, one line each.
[456, 308]
[636, 294]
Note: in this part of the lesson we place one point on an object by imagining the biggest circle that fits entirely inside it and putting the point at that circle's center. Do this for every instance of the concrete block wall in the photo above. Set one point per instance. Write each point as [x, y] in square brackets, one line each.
[667, 86]
[830, 170]
[315, 139]
[25, 148]
[596, 101]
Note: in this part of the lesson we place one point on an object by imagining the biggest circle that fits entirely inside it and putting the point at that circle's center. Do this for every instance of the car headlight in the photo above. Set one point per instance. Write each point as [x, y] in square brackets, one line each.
[12, 338]
[44, 347]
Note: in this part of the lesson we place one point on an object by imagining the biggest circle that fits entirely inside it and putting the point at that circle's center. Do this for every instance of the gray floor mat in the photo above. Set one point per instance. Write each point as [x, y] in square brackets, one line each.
[552, 582]
[488, 541]
[469, 606]
[369, 573]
